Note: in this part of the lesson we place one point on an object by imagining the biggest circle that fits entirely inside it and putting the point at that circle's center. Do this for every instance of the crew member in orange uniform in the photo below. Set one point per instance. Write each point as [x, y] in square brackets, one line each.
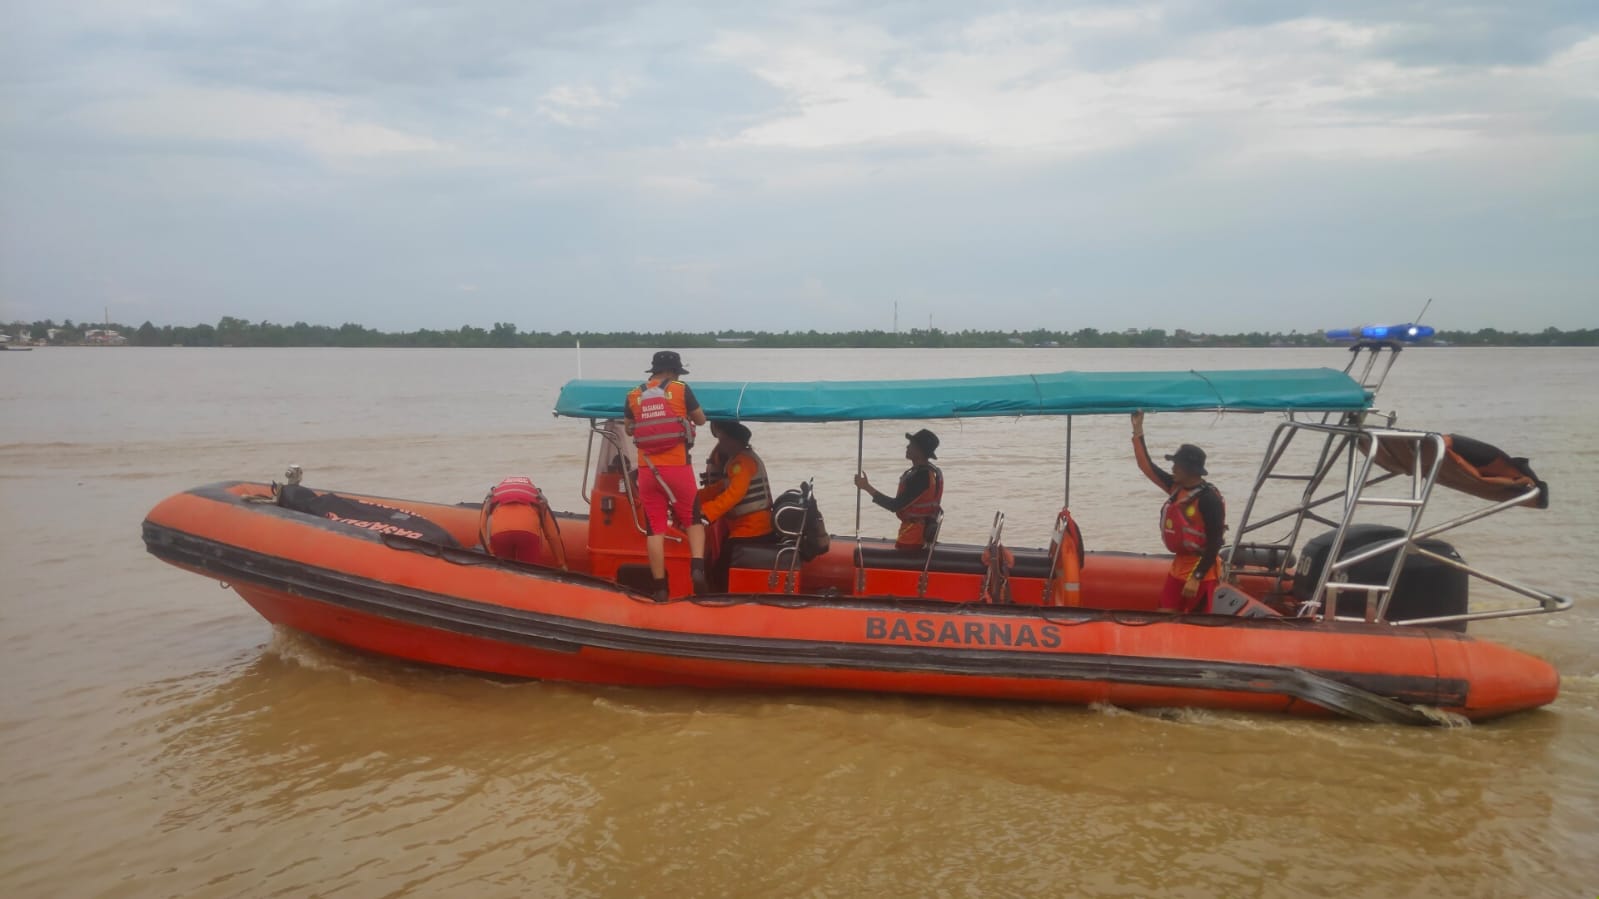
[1191, 523]
[516, 523]
[661, 415]
[736, 501]
[918, 499]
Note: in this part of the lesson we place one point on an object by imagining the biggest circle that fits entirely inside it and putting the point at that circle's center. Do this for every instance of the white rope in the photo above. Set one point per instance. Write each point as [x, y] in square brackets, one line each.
[738, 407]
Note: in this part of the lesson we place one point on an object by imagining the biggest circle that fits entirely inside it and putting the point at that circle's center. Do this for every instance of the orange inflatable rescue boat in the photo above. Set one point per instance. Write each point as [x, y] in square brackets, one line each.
[1359, 620]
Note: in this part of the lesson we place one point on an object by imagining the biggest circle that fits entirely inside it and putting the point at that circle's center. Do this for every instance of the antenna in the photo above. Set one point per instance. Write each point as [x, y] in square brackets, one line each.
[1424, 309]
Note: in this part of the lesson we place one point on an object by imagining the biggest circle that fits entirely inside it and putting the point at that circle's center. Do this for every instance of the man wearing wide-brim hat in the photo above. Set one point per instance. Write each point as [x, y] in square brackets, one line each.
[1192, 523]
[736, 501]
[661, 415]
[918, 499]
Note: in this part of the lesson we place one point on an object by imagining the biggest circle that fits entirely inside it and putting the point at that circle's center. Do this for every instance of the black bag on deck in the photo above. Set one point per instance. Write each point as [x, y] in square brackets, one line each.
[362, 515]
[796, 518]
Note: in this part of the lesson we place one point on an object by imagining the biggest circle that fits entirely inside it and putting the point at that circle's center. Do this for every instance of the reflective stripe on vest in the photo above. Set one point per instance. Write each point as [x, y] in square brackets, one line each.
[660, 419]
[758, 498]
[1182, 528]
[516, 490]
[926, 505]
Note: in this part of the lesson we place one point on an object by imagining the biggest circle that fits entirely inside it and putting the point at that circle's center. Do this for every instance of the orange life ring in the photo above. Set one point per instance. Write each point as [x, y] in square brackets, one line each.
[1065, 584]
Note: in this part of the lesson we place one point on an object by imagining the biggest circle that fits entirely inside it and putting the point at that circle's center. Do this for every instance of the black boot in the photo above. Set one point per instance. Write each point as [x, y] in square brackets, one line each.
[696, 573]
[662, 590]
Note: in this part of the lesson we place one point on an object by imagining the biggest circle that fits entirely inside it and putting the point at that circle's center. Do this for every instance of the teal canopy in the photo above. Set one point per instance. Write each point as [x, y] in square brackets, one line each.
[1063, 393]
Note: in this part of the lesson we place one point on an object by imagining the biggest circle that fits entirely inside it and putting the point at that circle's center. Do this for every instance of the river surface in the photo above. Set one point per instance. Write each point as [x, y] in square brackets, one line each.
[158, 738]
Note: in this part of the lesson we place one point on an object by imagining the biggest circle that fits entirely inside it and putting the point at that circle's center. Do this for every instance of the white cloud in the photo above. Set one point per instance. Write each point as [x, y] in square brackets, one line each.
[1575, 70]
[688, 278]
[321, 126]
[682, 187]
[616, 154]
[1014, 83]
[581, 105]
[1335, 138]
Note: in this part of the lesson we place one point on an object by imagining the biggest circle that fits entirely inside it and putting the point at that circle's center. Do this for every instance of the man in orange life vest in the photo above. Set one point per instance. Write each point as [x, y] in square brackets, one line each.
[1191, 523]
[920, 493]
[736, 501]
[661, 415]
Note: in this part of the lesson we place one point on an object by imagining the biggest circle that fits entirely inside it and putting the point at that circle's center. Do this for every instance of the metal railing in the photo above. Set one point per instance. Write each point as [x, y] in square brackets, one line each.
[1356, 448]
[790, 539]
[620, 452]
[1347, 440]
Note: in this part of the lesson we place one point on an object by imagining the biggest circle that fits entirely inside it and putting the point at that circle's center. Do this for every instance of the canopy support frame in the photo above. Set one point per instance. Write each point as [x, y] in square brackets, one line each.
[1355, 446]
[1066, 499]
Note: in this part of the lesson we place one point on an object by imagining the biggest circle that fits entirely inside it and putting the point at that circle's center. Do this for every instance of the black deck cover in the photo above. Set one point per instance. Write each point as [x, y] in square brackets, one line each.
[362, 515]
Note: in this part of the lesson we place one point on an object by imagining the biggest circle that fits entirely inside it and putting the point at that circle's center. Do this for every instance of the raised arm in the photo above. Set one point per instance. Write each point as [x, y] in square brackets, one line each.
[1161, 478]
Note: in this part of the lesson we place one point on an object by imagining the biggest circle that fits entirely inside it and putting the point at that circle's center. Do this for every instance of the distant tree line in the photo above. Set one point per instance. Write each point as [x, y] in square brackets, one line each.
[236, 332]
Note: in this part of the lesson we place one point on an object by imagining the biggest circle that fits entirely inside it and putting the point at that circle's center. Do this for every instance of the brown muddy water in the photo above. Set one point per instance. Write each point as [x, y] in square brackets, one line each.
[160, 739]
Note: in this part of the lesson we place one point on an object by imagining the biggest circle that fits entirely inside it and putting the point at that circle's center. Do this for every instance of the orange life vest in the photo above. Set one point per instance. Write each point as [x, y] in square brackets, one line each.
[1181, 526]
[751, 516]
[918, 515]
[1064, 586]
[661, 424]
[758, 498]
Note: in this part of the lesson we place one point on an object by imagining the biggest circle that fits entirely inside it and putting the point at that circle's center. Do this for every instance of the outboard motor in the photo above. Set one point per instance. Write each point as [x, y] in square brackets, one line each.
[1426, 588]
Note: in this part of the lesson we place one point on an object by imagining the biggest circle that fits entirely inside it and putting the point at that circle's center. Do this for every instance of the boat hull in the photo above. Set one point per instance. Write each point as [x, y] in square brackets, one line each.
[457, 608]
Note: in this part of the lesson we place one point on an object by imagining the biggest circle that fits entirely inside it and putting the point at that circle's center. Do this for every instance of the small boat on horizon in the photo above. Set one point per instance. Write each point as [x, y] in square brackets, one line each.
[1361, 620]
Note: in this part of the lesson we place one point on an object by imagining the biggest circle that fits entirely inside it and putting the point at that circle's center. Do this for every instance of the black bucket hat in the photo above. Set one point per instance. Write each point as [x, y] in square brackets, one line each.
[733, 429]
[926, 440]
[1190, 457]
[667, 360]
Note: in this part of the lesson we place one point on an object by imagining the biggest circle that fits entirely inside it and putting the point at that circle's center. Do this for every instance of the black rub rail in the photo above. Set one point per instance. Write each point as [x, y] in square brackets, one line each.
[555, 633]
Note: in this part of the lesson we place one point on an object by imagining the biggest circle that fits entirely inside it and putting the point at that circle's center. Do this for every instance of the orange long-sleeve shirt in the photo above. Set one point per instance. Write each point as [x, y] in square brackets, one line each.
[718, 499]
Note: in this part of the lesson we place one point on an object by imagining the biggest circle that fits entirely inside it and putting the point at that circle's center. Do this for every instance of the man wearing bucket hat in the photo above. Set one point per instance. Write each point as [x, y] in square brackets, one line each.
[661, 415]
[918, 499]
[1191, 523]
[736, 501]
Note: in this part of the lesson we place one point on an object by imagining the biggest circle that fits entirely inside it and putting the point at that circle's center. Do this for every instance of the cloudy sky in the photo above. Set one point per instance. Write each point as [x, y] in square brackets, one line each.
[591, 164]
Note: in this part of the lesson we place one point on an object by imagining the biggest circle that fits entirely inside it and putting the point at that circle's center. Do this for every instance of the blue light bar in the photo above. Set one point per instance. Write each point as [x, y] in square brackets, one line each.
[1407, 333]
